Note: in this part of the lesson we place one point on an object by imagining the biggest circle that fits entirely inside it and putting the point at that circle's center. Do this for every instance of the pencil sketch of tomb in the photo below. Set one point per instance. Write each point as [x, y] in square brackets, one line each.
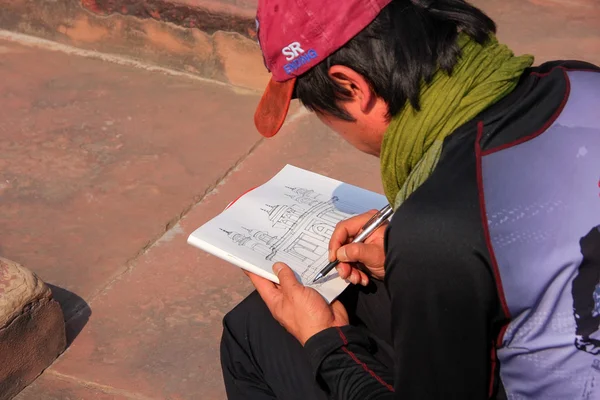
[305, 225]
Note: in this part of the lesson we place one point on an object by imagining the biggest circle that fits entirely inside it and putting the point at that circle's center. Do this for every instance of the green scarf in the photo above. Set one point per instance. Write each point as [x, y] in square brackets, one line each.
[413, 141]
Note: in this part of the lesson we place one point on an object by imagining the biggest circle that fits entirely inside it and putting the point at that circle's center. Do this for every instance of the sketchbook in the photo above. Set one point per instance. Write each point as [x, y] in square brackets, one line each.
[288, 219]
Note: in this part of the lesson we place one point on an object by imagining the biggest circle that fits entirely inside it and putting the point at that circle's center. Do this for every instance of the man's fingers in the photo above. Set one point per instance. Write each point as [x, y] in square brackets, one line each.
[352, 274]
[338, 306]
[344, 270]
[358, 277]
[367, 254]
[347, 229]
[364, 279]
[340, 313]
[351, 226]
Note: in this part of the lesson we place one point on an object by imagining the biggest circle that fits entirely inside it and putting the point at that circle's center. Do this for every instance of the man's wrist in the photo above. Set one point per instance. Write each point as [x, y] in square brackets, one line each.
[314, 332]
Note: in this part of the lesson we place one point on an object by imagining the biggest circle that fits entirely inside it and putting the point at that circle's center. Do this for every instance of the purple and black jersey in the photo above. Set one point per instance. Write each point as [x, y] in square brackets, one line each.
[542, 202]
[493, 264]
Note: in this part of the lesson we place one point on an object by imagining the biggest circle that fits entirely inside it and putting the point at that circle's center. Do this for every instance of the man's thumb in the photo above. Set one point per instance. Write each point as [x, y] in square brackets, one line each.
[285, 274]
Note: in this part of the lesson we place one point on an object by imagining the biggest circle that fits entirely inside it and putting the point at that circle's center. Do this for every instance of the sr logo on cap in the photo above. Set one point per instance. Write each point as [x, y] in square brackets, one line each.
[297, 57]
[292, 51]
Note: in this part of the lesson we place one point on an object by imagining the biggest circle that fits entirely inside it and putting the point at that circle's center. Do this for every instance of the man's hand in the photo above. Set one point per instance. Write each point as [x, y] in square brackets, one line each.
[370, 253]
[302, 311]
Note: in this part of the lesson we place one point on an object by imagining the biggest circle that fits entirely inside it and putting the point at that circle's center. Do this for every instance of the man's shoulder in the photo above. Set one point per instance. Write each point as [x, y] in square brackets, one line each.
[569, 65]
[538, 100]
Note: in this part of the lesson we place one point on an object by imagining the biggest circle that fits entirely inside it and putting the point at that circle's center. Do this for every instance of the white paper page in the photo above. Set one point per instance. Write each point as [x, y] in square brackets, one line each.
[288, 219]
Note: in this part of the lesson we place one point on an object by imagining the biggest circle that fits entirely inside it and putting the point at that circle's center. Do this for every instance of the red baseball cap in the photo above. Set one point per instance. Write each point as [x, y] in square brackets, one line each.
[296, 35]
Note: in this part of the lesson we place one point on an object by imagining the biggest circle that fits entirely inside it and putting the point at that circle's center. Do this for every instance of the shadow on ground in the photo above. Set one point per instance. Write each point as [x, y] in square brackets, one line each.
[76, 311]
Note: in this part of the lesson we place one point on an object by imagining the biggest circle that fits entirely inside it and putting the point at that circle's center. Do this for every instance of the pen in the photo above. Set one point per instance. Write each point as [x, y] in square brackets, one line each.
[371, 226]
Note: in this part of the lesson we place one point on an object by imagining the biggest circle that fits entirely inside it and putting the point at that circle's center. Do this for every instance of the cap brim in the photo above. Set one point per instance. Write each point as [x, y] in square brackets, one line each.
[273, 107]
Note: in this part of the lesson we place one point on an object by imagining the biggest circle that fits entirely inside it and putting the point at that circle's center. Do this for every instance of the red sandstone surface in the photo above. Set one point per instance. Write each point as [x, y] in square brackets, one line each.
[107, 168]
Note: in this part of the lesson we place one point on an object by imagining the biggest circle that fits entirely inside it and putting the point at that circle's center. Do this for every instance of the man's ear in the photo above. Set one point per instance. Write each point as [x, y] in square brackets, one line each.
[359, 89]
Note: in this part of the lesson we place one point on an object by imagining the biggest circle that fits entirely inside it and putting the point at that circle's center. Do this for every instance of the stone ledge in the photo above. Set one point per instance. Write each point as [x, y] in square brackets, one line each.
[208, 16]
[214, 39]
[217, 47]
[32, 328]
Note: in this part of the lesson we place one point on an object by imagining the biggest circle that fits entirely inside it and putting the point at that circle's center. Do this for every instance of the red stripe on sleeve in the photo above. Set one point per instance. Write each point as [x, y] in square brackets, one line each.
[362, 364]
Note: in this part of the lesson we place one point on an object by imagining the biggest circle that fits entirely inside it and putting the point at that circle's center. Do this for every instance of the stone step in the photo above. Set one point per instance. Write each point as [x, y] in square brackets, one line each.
[216, 39]
[211, 39]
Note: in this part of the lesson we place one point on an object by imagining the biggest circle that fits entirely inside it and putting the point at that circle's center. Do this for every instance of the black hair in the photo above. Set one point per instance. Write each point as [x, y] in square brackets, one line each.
[402, 48]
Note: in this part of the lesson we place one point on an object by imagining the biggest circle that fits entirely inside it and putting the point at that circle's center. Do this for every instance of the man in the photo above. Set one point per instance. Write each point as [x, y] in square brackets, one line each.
[493, 169]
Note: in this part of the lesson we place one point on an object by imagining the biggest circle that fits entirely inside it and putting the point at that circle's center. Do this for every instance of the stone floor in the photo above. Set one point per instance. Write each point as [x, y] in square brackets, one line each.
[106, 168]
